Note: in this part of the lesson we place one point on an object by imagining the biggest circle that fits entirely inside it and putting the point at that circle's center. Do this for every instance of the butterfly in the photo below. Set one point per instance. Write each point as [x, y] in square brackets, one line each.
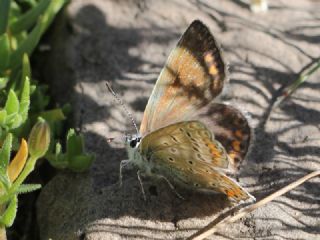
[172, 142]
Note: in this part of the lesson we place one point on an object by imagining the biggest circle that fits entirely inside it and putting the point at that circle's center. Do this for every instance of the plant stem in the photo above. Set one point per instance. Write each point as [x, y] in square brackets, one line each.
[3, 234]
[232, 217]
[303, 76]
[23, 175]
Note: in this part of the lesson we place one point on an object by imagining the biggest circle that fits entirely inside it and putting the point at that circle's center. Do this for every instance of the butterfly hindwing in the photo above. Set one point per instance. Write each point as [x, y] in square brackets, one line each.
[187, 140]
[193, 75]
[187, 153]
[231, 129]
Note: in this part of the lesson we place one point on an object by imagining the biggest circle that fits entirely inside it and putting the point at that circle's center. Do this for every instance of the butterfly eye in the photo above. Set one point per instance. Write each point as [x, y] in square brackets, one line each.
[134, 142]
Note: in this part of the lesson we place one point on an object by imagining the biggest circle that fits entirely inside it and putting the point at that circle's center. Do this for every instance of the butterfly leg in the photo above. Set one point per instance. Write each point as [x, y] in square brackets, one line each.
[170, 184]
[123, 163]
[141, 185]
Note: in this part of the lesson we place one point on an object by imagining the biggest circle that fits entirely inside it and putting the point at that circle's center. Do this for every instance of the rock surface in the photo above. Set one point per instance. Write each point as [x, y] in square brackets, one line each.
[127, 42]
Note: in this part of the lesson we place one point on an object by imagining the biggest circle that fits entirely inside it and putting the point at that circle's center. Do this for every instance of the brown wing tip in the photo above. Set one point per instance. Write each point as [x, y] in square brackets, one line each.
[208, 53]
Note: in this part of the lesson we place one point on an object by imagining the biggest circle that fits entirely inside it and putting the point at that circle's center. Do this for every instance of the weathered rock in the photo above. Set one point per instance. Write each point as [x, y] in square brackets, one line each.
[127, 43]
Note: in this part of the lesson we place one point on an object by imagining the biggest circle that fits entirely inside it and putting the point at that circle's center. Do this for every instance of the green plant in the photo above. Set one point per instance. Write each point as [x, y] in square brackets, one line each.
[24, 101]
[14, 173]
[74, 157]
[15, 111]
[20, 32]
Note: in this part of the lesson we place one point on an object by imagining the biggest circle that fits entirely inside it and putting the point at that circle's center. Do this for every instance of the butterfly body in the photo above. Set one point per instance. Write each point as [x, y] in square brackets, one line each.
[175, 146]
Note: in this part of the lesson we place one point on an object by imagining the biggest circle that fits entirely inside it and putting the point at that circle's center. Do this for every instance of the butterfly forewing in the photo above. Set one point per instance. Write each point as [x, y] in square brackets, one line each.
[187, 153]
[193, 75]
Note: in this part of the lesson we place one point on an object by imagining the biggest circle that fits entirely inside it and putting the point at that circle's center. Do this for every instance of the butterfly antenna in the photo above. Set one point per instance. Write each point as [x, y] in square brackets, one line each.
[123, 106]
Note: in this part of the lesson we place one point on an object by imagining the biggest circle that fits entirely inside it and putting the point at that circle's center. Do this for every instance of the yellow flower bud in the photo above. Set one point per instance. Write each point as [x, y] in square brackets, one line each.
[17, 164]
[39, 139]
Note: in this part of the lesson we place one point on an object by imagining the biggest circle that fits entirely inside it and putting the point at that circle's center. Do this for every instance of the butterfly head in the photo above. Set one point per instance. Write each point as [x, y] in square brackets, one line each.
[133, 141]
[134, 153]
